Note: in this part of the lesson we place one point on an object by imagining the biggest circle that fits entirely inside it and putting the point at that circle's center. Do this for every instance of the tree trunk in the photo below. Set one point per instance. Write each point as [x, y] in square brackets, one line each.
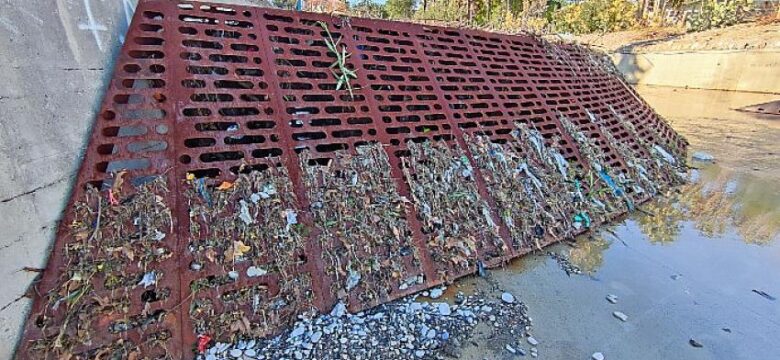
[468, 11]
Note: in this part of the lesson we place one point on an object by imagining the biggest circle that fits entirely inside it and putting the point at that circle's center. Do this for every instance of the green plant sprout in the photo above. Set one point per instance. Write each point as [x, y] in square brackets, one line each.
[339, 68]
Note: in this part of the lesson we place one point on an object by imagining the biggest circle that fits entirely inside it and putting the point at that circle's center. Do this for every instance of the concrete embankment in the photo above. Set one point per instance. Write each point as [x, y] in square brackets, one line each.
[734, 70]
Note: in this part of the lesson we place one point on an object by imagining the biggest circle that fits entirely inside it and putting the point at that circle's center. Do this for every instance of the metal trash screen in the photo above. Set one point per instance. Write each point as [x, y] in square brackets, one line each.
[231, 182]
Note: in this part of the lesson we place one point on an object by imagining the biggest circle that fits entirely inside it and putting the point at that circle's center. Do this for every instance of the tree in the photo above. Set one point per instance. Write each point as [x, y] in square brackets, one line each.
[284, 4]
[596, 16]
[400, 9]
[368, 8]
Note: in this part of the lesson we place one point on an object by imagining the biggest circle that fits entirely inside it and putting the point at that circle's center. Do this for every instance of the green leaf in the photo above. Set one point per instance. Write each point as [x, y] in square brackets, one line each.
[331, 47]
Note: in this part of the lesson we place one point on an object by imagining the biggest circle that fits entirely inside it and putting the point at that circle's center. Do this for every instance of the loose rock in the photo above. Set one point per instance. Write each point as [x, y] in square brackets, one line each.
[621, 316]
[507, 298]
[339, 310]
[254, 271]
[597, 356]
[702, 156]
[532, 341]
[436, 293]
[444, 309]
[403, 329]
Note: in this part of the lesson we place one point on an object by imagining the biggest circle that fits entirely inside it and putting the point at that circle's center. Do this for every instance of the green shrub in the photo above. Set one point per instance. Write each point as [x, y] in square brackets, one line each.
[595, 16]
[713, 14]
[399, 9]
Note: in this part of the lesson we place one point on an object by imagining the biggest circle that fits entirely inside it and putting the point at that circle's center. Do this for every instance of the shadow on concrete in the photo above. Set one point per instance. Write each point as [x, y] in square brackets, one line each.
[627, 55]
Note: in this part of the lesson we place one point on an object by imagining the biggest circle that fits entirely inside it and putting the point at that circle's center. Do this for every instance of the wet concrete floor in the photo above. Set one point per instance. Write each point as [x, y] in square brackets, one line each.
[686, 272]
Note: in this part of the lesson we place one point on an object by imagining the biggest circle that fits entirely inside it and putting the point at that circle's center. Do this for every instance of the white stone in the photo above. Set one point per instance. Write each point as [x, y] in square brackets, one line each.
[507, 298]
[532, 341]
[436, 293]
[444, 309]
[703, 156]
[612, 298]
[623, 317]
[510, 348]
[254, 271]
[298, 331]
[415, 307]
[597, 356]
[316, 336]
[339, 310]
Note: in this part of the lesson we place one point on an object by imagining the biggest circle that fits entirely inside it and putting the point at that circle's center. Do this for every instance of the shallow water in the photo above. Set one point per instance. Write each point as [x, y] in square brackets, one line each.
[686, 269]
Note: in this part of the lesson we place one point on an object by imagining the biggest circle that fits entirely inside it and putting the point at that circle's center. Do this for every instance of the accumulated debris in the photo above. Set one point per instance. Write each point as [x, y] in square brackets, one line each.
[531, 184]
[457, 223]
[639, 183]
[404, 329]
[114, 246]
[360, 220]
[605, 188]
[660, 171]
[244, 237]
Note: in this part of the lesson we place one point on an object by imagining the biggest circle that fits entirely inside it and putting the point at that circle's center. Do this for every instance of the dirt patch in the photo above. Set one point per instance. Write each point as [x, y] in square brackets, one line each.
[738, 37]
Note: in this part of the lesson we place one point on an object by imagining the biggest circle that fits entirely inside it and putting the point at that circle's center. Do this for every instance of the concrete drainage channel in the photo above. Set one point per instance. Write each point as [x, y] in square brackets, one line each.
[241, 173]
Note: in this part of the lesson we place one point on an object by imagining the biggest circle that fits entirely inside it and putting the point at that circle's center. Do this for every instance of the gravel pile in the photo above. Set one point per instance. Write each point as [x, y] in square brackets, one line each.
[404, 329]
[564, 263]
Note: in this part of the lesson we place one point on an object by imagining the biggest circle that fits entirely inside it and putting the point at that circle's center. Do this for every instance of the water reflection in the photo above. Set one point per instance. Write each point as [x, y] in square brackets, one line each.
[715, 201]
[588, 255]
[664, 224]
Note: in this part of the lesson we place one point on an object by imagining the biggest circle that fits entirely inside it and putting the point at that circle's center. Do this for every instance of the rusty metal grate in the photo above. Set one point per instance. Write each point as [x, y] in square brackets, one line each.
[208, 93]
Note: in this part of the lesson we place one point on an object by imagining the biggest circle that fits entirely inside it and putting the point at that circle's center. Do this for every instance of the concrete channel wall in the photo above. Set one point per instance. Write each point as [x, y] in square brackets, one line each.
[56, 59]
[732, 70]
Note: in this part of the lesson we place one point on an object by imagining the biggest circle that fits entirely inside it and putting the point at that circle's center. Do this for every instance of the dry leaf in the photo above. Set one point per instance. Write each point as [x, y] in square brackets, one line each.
[247, 324]
[81, 235]
[129, 253]
[118, 181]
[225, 186]
[210, 254]
[239, 248]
